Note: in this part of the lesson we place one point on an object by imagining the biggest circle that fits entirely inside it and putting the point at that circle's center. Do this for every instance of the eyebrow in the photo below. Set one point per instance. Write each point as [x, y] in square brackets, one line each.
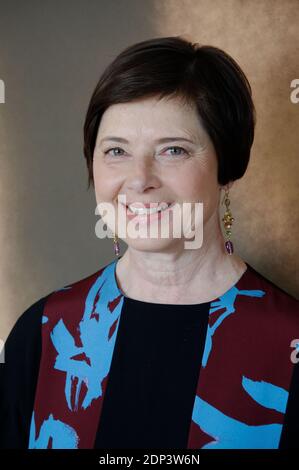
[158, 141]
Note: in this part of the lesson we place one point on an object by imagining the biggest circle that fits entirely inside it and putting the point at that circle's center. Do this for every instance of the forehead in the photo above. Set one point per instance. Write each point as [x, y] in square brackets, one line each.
[151, 117]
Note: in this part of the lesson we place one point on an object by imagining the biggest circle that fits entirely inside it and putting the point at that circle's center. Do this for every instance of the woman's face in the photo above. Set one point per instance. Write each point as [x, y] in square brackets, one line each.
[148, 171]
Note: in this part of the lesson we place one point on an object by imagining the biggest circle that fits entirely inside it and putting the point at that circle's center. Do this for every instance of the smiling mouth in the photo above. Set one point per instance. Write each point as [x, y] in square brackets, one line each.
[143, 211]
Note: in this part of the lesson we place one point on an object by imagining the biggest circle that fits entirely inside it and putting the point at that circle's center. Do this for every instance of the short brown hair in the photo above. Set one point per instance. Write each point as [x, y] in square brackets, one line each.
[201, 74]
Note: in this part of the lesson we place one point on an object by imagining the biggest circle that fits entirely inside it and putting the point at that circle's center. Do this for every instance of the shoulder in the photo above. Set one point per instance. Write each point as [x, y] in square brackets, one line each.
[273, 297]
[68, 298]
[25, 330]
[268, 314]
[82, 298]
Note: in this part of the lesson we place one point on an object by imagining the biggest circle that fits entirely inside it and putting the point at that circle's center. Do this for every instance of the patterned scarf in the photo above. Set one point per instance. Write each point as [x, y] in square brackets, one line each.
[244, 379]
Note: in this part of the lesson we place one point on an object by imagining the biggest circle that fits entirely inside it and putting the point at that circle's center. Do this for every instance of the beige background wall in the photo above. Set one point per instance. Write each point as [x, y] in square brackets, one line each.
[51, 56]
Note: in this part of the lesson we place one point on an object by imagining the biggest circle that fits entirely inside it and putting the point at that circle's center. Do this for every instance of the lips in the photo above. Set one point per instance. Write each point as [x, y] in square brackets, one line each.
[150, 209]
[149, 214]
[146, 205]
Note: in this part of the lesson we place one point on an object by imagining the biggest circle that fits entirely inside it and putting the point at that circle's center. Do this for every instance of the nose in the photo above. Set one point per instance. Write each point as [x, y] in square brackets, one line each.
[142, 177]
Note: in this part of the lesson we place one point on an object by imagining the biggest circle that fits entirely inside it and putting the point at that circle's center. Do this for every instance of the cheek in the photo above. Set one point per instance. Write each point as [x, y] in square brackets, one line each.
[198, 182]
[104, 184]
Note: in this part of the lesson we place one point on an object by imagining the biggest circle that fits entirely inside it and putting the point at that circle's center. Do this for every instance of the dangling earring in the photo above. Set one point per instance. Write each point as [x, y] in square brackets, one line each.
[227, 221]
[116, 245]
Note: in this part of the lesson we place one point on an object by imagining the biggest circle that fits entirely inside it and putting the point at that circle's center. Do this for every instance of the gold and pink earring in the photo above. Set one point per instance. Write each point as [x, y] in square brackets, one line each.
[116, 245]
[227, 221]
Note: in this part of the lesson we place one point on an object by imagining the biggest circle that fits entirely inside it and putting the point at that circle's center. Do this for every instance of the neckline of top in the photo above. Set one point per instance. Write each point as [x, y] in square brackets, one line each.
[130, 299]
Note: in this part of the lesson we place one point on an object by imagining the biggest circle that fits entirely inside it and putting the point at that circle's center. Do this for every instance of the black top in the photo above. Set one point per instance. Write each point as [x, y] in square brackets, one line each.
[153, 377]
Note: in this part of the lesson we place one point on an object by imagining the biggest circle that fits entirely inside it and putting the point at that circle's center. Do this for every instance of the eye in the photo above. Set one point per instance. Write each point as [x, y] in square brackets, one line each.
[177, 154]
[181, 149]
[113, 148]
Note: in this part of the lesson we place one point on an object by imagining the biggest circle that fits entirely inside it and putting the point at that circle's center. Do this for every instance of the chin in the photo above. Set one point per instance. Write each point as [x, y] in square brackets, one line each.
[151, 244]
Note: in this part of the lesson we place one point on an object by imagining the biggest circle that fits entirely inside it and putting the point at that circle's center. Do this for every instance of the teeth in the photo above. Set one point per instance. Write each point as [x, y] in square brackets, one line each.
[145, 211]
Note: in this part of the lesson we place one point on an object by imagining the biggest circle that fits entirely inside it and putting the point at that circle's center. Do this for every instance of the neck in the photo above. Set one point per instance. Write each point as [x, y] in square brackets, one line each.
[181, 275]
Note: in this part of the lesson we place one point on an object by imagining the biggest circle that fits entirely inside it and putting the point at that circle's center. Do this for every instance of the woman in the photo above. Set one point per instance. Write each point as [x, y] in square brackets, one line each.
[170, 345]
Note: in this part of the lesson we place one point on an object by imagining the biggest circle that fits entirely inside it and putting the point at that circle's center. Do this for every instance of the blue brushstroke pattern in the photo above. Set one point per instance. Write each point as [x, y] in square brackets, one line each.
[44, 319]
[226, 302]
[94, 337]
[266, 394]
[229, 433]
[63, 436]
